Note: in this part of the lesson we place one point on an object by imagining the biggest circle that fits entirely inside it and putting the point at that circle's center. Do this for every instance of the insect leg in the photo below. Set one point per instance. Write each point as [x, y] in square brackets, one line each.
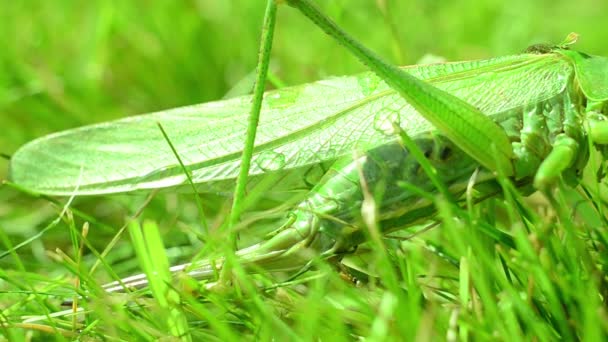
[561, 157]
[597, 128]
[550, 141]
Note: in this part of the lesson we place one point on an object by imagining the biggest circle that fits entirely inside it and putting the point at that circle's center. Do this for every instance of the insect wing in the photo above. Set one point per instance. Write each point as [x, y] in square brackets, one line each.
[299, 126]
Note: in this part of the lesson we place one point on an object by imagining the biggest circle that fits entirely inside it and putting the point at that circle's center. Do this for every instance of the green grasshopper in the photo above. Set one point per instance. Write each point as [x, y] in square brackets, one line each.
[531, 117]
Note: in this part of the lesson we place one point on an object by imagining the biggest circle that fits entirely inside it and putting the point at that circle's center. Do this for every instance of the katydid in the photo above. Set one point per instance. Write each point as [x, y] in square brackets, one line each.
[528, 116]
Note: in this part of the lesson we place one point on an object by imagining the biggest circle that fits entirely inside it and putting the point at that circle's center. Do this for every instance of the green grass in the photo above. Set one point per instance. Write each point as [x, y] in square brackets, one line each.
[506, 269]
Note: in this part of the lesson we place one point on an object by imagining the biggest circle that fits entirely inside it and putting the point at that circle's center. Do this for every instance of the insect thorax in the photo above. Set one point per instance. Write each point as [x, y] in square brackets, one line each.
[534, 129]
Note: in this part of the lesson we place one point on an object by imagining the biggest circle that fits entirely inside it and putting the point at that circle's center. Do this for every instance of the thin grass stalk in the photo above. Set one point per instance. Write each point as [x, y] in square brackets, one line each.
[254, 115]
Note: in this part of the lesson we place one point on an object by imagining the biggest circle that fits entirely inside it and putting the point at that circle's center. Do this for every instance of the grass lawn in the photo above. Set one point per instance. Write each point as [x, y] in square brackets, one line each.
[515, 267]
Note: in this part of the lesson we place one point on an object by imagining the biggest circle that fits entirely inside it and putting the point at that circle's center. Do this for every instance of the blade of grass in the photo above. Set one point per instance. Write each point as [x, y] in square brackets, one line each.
[188, 174]
[258, 93]
[150, 251]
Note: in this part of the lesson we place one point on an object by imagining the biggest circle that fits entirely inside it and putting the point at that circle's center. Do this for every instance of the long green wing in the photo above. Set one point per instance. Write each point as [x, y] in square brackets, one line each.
[299, 126]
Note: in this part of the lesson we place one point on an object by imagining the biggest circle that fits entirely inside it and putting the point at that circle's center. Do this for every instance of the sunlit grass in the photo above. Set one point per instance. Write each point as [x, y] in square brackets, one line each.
[513, 268]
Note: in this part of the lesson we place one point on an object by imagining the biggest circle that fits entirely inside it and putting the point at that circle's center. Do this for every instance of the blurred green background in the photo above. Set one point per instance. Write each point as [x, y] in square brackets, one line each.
[68, 63]
[65, 64]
